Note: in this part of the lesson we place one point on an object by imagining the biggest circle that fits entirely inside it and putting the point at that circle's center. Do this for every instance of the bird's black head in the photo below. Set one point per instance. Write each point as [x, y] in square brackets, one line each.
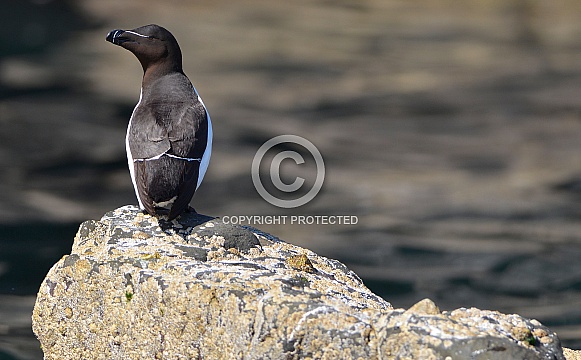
[153, 46]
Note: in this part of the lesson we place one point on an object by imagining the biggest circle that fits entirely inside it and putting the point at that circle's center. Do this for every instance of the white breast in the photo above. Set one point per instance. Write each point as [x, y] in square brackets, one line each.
[208, 152]
[130, 157]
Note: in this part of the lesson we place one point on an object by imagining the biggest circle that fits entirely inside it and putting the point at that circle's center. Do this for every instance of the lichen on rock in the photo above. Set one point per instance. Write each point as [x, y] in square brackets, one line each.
[136, 287]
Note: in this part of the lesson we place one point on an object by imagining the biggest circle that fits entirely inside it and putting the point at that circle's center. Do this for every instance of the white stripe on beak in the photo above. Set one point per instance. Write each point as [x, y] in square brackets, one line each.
[138, 34]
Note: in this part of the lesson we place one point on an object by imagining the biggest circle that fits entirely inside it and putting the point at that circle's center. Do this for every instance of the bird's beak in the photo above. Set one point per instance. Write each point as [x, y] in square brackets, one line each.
[116, 37]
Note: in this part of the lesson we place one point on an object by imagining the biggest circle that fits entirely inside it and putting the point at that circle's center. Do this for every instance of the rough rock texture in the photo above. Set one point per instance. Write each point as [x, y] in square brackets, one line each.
[572, 354]
[135, 287]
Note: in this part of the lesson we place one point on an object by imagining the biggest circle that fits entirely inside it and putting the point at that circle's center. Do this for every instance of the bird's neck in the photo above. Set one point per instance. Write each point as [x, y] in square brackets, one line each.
[171, 87]
[156, 71]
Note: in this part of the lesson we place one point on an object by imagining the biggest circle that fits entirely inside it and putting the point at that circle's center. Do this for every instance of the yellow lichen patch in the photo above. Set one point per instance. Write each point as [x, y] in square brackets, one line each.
[140, 235]
[93, 328]
[214, 255]
[524, 335]
[542, 335]
[572, 354]
[300, 262]
[139, 218]
[424, 307]
[254, 252]
[155, 255]
[175, 238]
[234, 251]
[82, 267]
[217, 241]
[68, 312]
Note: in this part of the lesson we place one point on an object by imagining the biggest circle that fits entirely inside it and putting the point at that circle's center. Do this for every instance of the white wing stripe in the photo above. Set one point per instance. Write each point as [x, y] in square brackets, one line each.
[170, 155]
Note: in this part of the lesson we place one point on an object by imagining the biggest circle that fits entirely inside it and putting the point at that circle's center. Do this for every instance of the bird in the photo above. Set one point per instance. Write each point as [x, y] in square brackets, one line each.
[169, 136]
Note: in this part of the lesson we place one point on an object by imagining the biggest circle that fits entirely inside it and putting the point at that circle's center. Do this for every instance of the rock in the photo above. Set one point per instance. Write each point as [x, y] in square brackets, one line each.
[426, 307]
[572, 354]
[135, 287]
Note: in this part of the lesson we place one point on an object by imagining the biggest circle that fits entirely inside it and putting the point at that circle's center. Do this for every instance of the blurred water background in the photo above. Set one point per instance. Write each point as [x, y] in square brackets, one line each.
[451, 129]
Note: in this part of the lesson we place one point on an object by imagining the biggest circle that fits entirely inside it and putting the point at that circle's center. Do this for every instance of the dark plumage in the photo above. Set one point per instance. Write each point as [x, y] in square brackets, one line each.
[169, 137]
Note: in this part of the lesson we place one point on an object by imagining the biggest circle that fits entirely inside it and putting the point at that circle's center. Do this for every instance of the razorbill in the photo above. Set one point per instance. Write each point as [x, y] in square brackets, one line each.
[169, 136]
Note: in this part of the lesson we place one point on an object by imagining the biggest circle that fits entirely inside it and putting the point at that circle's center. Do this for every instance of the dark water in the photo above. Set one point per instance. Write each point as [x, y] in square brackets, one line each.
[28, 251]
[451, 131]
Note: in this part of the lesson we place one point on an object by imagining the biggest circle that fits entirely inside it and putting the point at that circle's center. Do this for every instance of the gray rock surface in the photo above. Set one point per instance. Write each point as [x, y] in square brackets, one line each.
[135, 287]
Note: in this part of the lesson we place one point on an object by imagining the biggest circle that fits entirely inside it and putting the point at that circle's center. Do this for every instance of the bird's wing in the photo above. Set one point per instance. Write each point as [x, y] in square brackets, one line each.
[148, 137]
[140, 183]
[190, 145]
